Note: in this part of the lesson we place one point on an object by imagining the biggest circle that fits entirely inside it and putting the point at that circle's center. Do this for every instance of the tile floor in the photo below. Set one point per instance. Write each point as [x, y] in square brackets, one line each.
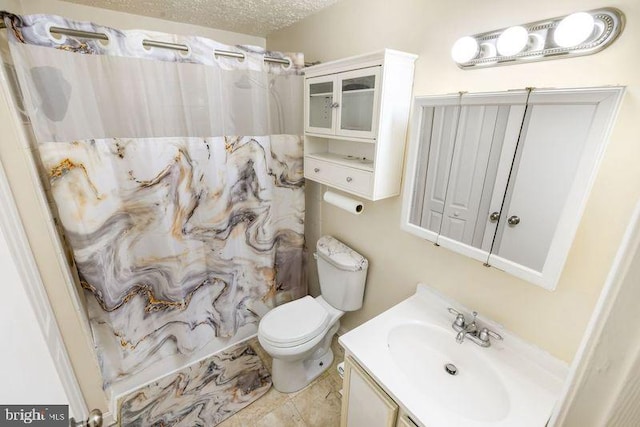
[317, 405]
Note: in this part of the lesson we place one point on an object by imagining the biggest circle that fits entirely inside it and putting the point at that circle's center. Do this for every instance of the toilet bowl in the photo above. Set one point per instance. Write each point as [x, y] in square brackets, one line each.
[298, 334]
[298, 338]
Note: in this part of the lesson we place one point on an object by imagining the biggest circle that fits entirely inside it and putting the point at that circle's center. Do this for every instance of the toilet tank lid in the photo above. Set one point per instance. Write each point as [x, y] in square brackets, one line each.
[340, 255]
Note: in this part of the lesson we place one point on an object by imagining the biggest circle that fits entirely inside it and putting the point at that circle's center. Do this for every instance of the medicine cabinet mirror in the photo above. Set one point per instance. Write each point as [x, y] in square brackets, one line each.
[504, 177]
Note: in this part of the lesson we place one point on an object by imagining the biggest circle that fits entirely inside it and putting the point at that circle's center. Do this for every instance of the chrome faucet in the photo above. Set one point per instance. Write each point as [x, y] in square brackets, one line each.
[470, 328]
[480, 336]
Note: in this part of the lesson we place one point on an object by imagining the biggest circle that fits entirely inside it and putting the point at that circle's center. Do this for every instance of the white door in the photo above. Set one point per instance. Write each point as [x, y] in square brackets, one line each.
[562, 139]
[500, 162]
[442, 135]
[552, 144]
[476, 128]
[29, 373]
[34, 366]
[486, 138]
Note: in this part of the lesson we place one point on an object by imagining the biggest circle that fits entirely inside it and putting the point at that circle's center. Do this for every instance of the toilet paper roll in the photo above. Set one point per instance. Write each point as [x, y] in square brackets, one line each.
[348, 204]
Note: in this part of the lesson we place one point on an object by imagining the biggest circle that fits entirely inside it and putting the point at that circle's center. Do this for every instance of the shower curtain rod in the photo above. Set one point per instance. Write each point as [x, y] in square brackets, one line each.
[153, 43]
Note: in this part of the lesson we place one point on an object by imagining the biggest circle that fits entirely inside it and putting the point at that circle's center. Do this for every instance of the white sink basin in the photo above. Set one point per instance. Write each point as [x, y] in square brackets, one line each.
[405, 350]
[422, 353]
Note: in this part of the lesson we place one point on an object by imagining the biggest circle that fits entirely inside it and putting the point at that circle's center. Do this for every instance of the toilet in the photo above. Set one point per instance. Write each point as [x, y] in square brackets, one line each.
[298, 334]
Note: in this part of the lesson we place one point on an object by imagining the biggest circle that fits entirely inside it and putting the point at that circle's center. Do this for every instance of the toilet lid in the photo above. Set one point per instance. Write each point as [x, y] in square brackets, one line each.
[294, 323]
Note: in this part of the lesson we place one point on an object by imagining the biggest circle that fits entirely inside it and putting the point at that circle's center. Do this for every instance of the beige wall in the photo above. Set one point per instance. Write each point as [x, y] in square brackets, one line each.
[15, 159]
[553, 320]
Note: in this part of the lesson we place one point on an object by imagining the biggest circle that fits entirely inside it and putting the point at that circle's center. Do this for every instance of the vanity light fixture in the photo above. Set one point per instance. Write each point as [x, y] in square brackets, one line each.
[578, 34]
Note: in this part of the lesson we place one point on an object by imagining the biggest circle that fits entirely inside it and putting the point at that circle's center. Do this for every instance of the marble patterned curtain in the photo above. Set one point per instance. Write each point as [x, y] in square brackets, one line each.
[177, 179]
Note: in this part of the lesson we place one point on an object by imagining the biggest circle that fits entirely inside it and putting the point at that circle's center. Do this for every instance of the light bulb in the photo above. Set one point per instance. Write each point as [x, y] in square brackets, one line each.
[574, 29]
[464, 49]
[512, 41]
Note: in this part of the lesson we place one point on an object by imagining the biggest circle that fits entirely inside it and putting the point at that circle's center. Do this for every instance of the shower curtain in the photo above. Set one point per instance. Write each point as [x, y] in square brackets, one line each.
[177, 178]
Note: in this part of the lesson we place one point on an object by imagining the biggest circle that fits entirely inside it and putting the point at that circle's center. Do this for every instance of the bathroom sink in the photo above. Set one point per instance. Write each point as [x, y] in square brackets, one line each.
[455, 376]
[411, 352]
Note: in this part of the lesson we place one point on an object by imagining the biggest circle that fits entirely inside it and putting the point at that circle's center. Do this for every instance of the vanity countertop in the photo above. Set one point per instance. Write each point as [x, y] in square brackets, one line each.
[511, 383]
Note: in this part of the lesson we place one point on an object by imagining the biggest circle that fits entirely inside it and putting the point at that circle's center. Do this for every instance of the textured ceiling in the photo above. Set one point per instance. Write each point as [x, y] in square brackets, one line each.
[255, 17]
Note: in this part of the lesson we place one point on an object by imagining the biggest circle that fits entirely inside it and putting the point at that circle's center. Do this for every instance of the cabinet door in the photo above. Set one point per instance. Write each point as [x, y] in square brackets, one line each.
[562, 139]
[487, 133]
[359, 93]
[364, 403]
[462, 161]
[320, 105]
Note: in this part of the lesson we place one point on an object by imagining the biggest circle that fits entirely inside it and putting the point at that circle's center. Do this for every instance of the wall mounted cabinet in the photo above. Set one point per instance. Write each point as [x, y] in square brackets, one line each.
[356, 116]
[504, 177]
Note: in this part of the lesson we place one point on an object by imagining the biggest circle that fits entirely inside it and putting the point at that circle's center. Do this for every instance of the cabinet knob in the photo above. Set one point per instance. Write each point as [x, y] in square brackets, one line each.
[494, 216]
[349, 179]
[513, 220]
[316, 170]
[334, 105]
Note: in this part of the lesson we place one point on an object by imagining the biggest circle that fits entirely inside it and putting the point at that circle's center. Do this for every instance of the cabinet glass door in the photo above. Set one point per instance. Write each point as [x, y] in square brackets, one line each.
[358, 102]
[321, 105]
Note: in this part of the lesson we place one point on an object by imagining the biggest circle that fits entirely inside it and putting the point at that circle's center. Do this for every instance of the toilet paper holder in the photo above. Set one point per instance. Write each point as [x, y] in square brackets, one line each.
[348, 204]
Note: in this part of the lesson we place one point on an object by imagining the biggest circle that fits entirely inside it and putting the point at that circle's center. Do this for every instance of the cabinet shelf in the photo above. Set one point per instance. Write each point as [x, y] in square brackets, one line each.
[344, 160]
[327, 94]
[342, 138]
[347, 92]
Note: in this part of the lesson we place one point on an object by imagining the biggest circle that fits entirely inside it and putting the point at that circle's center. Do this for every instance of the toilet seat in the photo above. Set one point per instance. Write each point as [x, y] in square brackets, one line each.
[294, 323]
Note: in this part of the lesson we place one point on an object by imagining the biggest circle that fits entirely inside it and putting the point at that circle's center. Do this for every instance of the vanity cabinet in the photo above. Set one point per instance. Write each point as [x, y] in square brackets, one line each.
[364, 403]
[356, 117]
[504, 177]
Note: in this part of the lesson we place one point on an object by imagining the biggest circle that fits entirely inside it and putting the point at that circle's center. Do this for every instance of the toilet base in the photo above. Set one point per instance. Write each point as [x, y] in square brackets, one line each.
[288, 377]
[294, 368]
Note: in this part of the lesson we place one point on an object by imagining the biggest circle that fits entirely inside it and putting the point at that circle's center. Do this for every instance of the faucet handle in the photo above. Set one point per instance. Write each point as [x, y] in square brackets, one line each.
[494, 334]
[453, 311]
[485, 333]
[460, 320]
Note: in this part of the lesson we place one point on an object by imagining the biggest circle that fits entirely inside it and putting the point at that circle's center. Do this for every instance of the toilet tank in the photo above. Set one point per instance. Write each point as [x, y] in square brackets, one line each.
[342, 273]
